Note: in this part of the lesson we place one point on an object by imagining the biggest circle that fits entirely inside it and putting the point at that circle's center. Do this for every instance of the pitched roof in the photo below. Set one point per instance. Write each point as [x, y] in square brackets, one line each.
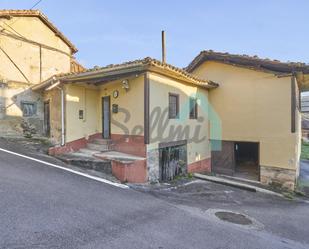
[142, 65]
[43, 18]
[252, 62]
[76, 67]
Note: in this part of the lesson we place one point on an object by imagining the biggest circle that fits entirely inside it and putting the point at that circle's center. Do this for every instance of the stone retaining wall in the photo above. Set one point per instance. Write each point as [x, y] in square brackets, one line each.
[283, 178]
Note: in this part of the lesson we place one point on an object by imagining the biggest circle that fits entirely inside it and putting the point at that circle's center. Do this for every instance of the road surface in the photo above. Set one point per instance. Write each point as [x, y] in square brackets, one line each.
[45, 207]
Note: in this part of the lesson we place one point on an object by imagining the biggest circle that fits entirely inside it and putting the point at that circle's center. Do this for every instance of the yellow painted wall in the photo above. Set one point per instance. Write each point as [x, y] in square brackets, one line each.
[81, 98]
[132, 103]
[88, 98]
[298, 134]
[255, 106]
[160, 87]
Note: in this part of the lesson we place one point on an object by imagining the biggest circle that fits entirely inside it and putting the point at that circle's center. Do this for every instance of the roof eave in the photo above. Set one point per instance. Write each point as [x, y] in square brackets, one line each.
[45, 20]
[250, 62]
[171, 74]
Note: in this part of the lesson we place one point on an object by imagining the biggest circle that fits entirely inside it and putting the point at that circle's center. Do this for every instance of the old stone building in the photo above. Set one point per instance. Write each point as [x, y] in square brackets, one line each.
[32, 49]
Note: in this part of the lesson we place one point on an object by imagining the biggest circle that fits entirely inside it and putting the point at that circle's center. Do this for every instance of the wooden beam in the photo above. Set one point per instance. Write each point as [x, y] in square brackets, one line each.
[40, 63]
[13, 36]
[11, 60]
[173, 143]
[293, 105]
[93, 77]
[146, 108]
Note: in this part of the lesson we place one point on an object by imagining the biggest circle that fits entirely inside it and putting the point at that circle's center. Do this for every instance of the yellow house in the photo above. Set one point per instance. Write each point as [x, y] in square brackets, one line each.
[32, 49]
[258, 103]
[144, 108]
[246, 125]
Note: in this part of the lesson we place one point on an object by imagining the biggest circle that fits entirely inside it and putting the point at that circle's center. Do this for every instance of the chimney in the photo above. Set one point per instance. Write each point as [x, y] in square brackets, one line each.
[163, 47]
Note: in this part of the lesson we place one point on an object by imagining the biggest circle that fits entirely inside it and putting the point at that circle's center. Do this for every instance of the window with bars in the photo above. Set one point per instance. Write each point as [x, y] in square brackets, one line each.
[28, 108]
[193, 108]
[173, 111]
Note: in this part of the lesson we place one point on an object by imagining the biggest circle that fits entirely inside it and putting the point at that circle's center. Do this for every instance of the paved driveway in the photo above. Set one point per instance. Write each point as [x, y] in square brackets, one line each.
[44, 207]
[304, 176]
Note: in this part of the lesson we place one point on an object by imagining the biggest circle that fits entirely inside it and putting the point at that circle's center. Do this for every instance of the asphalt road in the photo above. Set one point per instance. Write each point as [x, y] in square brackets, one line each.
[45, 207]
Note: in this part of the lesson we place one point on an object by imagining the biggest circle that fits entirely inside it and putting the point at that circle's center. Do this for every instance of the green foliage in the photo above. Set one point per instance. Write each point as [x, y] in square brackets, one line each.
[305, 151]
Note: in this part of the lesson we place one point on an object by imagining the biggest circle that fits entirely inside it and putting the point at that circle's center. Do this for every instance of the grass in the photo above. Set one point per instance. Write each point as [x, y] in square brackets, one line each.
[305, 151]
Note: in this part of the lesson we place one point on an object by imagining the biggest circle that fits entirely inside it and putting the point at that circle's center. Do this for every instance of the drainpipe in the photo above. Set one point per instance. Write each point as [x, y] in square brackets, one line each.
[62, 115]
[163, 47]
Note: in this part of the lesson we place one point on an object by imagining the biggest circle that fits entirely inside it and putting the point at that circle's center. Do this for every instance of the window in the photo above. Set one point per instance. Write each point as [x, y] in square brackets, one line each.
[193, 108]
[81, 114]
[173, 105]
[28, 108]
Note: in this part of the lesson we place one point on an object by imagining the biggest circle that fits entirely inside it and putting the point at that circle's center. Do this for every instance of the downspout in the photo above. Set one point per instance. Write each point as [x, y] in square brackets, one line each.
[62, 116]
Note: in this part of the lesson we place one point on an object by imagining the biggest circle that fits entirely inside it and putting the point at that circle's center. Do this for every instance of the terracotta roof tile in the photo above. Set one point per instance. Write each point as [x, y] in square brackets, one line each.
[149, 62]
[137, 63]
[248, 61]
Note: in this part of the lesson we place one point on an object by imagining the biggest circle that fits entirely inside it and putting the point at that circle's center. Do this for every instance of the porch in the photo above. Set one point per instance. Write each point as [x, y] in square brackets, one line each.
[98, 155]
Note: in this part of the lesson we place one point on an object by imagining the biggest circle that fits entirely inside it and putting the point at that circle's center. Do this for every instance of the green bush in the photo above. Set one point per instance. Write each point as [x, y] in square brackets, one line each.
[305, 151]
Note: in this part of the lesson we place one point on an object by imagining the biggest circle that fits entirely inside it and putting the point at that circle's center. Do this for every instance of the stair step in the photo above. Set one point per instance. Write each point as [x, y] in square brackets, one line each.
[88, 151]
[98, 147]
[102, 141]
[104, 166]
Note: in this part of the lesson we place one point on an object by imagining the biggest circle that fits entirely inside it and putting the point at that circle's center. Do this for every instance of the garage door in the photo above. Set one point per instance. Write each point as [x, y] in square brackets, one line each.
[223, 161]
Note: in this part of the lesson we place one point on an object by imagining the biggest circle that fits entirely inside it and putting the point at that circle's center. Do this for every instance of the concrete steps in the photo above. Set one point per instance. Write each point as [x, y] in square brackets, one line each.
[85, 157]
[88, 152]
[102, 141]
[84, 161]
[100, 145]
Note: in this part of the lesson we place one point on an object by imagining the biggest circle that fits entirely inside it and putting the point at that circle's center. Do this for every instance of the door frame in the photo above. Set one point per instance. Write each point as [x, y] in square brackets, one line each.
[258, 155]
[170, 145]
[102, 106]
[47, 131]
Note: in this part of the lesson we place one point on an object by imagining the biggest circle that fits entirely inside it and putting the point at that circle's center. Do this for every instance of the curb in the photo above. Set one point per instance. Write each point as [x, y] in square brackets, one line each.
[98, 179]
[235, 184]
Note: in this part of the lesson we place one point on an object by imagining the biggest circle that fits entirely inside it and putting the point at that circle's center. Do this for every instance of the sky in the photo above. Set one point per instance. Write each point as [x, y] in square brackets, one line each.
[114, 31]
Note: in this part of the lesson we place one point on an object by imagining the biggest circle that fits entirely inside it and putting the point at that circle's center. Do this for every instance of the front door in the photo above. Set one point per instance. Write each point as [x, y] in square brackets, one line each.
[106, 114]
[46, 119]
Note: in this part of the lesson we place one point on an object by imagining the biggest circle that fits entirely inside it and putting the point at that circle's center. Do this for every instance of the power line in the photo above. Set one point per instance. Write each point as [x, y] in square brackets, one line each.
[13, 36]
[36, 4]
[12, 29]
[12, 61]
[30, 9]
[10, 25]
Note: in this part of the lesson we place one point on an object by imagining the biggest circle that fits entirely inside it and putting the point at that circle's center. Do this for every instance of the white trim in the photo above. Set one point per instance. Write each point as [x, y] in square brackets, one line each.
[119, 185]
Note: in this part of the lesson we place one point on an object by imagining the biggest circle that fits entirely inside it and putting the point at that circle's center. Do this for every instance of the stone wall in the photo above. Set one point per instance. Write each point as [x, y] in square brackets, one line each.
[278, 177]
[11, 115]
[153, 165]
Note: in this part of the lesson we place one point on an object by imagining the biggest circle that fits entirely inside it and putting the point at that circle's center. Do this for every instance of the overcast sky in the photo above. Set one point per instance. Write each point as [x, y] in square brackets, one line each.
[115, 31]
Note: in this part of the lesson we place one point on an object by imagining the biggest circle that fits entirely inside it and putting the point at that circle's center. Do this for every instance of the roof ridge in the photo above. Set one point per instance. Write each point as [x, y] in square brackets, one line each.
[246, 60]
[150, 61]
[250, 57]
[145, 61]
